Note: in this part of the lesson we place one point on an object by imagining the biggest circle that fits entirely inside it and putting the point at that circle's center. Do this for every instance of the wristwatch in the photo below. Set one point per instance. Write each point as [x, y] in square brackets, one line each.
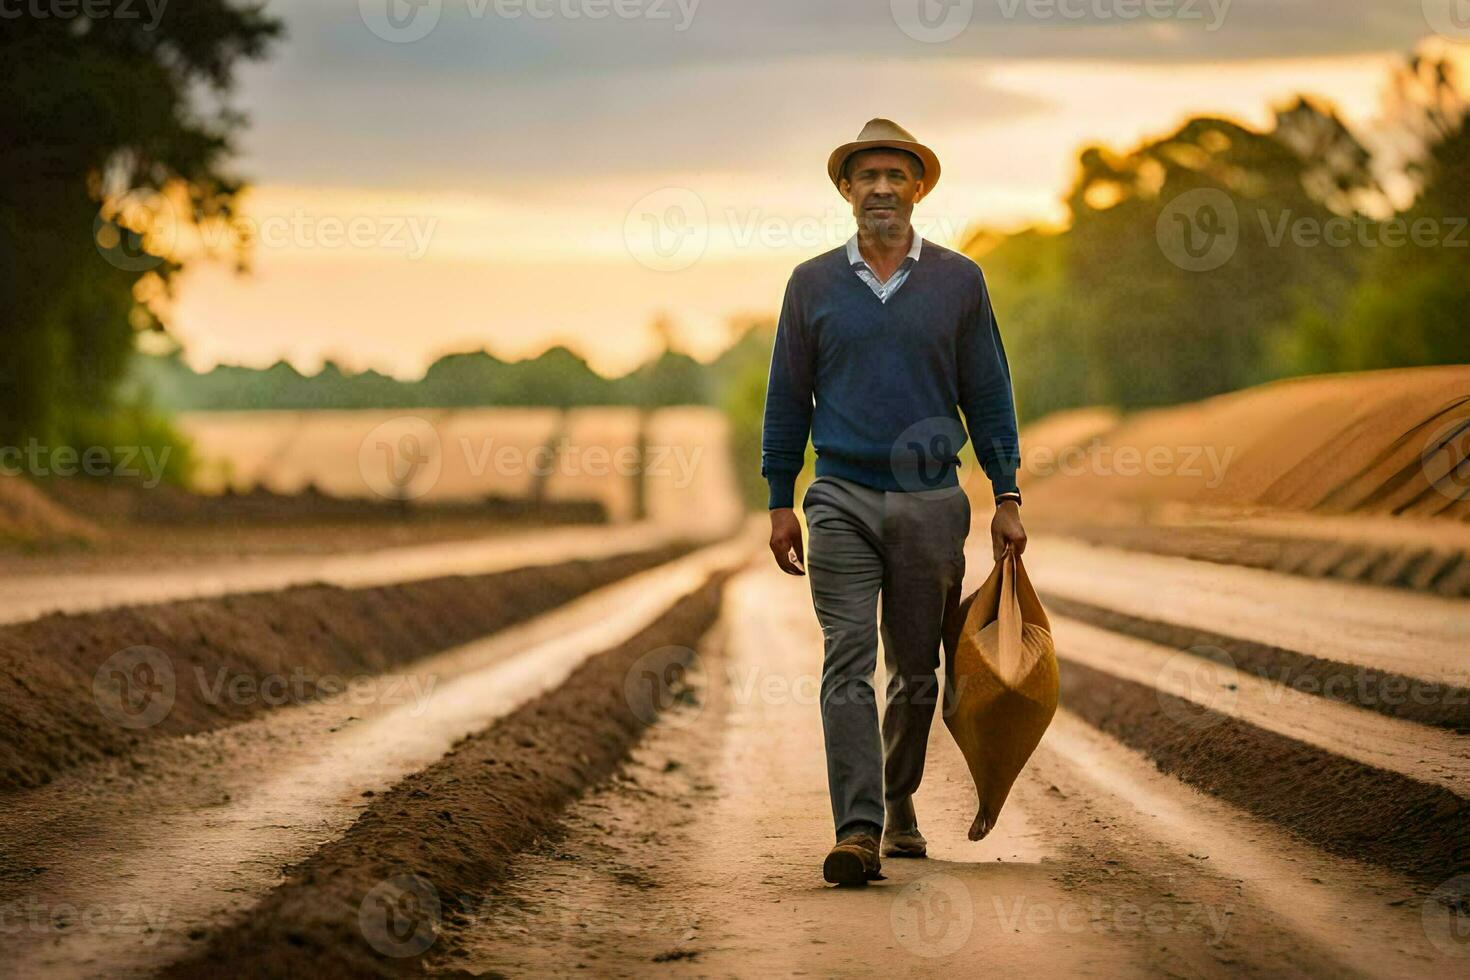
[1009, 495]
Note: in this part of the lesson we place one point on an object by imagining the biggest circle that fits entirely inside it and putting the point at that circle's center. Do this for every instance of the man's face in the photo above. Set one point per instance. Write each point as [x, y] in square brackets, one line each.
[882, 186]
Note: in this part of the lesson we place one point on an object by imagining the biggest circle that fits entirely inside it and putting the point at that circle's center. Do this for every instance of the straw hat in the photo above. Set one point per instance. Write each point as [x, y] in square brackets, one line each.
[884, 134]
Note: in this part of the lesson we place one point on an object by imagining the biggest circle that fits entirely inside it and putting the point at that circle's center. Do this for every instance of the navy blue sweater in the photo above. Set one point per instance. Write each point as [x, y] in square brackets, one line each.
[879, 385]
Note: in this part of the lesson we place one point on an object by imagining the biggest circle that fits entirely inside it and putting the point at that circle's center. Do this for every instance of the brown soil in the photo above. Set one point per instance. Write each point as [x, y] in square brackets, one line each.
[1416, 567]
[1340, 805]
[59, 695]
[1220, 479]
[124, 502]
[703, 859]
[143, 549]
[29, 518]
[442, 837]
[1409, 698]
[1382, 442]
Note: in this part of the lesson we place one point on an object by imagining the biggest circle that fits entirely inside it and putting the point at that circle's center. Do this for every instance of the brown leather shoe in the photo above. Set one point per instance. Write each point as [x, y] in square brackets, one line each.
[904, 844]
[854, 861]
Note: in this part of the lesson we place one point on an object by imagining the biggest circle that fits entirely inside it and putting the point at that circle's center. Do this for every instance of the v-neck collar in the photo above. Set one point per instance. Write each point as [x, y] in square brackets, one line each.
[855, 255]
[862, 276]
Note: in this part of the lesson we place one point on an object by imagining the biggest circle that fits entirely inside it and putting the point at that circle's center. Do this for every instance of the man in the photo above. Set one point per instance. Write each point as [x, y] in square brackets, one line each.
[881, 343]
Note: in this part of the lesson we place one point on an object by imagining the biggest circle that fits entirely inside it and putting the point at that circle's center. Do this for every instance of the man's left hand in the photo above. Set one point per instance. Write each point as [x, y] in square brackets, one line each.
[1006, 530]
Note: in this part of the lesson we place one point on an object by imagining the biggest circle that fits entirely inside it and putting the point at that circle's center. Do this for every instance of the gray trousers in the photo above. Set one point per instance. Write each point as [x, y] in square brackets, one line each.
[907, 548]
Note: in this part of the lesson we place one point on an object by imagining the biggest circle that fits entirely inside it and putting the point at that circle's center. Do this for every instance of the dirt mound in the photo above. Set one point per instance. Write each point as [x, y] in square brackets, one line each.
[168, 506]
[372, 902]
[1434, 565]
[1427, 702]
[77, 688]
[29, 517]
[1060, 431]
[1343, 806]
[1386, 442]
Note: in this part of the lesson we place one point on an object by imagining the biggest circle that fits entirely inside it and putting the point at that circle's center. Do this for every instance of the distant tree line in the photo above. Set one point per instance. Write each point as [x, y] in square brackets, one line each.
[558, 377]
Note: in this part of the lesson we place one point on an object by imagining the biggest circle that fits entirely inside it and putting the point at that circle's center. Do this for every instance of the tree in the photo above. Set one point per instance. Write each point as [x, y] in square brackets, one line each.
[111, 149]
[1115, 310]
[1161, 332]
[1408, 307]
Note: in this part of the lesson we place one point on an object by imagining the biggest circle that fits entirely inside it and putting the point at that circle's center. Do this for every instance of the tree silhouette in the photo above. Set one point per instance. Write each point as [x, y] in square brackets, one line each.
[118, 133]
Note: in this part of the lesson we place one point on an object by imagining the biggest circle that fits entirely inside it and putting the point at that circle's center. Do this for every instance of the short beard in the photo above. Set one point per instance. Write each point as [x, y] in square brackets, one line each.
[886, 231]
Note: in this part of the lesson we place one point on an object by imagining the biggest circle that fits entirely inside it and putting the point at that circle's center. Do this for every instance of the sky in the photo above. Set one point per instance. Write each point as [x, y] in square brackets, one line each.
[432, 176]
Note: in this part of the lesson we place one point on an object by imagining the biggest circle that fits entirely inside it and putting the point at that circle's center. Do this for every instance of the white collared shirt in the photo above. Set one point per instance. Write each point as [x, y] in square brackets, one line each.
[882, 290]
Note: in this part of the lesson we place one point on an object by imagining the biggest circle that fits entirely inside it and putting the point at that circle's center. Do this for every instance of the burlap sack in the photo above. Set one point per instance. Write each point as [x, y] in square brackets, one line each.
[1000, 684]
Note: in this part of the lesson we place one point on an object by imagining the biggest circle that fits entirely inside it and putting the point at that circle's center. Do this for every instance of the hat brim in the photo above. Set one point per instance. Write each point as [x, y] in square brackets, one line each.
[839, 157]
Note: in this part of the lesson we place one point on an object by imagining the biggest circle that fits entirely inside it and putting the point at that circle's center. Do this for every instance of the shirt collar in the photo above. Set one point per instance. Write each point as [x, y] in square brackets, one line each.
[855, 255]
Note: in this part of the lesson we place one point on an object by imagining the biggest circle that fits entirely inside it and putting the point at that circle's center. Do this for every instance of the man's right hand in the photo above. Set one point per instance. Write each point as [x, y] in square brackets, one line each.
[786, 541]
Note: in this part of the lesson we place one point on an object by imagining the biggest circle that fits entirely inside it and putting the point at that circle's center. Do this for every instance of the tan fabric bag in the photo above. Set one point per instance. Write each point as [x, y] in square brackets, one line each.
[1001, 684]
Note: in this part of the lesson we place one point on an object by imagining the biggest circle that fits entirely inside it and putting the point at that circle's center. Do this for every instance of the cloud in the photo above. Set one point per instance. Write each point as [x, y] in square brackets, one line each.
[488, 100]
[729, 118]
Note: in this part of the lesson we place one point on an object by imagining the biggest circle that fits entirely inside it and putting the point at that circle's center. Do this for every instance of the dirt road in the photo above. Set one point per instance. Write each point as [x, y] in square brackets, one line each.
[1196, 810]
[703, 859]
[186, 836]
